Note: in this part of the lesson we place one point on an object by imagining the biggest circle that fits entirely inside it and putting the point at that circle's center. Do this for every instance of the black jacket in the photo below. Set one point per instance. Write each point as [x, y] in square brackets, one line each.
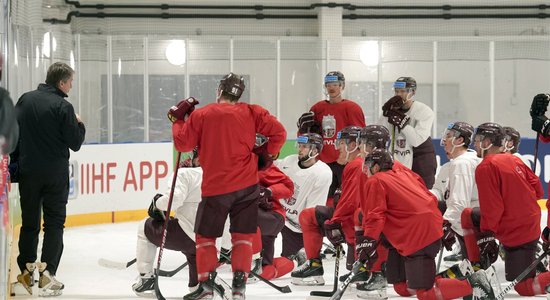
[48, 128]
[9, 131]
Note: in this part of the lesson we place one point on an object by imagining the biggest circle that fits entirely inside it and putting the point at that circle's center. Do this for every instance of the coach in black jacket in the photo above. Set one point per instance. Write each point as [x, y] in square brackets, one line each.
[48, 128]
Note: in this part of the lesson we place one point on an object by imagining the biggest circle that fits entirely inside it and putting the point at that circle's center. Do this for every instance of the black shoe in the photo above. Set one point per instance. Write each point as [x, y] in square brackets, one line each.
[145, 286]
[238, 286]
[206, 289]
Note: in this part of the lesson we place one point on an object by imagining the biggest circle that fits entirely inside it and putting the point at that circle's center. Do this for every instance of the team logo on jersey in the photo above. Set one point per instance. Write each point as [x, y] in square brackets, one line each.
[291, 200]
[401, 141]
[329, 126]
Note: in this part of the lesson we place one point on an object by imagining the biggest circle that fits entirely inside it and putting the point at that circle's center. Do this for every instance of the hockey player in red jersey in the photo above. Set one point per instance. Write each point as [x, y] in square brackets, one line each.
[274, 185]
[328, 117]
[230, 178]
[508, 211]
[312, 219]
[395, 200]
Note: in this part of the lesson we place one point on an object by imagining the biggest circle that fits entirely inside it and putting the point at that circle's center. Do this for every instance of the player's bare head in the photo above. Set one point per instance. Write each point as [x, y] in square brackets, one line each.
[309, 146]
[456, 135]
[405, 87]
[488, 137]
[60, 75]
[347, 140]
[513, 139]
[373, 137]
[231, 87]
[379, 160]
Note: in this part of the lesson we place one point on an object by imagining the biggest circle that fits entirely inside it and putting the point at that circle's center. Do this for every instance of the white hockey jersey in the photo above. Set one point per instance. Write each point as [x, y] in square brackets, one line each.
[456, 185]
[415, 133]
[310, 188]
[187, 195]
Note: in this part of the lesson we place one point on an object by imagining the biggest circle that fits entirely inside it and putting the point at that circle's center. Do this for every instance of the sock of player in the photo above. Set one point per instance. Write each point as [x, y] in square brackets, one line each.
[282, 266]
[446, 288]
[313, 240]
[402, 290]
[533, 286]
[207, 256]
[470, 238]
[241, 254]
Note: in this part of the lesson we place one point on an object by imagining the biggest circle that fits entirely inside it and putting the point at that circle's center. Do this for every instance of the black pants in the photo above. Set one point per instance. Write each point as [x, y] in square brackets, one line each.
[45, 194]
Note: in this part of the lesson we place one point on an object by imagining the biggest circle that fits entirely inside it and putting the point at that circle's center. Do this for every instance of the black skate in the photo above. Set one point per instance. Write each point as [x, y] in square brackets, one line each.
[374, 288]
[238, 286]
[360, 277]
[310, 273]
[145, 286]
[206, 289]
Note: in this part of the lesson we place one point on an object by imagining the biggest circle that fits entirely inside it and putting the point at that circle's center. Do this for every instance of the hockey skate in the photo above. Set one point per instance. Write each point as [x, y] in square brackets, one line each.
[309, 273]
[458, 271]
[238, 287]
[256, 268]
[47, 284]
[206, 289]
[374, 288]
[145, 286]
[360, 277]
[481, 286]
[26, 278]
[300, 257]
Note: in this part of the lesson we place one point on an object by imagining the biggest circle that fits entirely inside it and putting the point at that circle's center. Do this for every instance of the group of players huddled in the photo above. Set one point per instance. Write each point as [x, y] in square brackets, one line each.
[372, 187]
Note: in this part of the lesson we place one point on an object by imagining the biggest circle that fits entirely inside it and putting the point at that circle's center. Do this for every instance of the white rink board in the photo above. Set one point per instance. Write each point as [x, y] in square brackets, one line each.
[117, 177]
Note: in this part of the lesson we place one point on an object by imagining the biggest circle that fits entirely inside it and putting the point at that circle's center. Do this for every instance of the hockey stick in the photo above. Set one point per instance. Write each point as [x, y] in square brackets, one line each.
[536, 153]
[522, 275]
[115, 264]
[283, 289]
[393, 140]
[439, 259]
[165, 228]
[336, 271]
[122, 266]
[355, 271]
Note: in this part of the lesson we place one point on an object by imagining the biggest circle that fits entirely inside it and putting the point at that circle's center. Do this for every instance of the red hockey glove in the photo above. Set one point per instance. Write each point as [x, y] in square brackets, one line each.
[365, 247]
[183, 108]
[154, 212]
[448, 238]
[395, 103]
[334, 232]
[265, 200]
[398, 118]
[539, 105]
[488, 248]
[541, 124]
[545, 241]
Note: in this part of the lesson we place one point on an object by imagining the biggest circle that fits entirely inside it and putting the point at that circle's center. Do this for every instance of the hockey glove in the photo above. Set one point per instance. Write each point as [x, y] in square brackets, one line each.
[333, 232]
[488, 247]
[541, 124]
[395, 103]
[545, 241]
[265, 200]
[539, 105]
[448, 238]
[154, 212]
[265, 160]
[307, 123]
[183, 108]
[365, 248]
[398, 118]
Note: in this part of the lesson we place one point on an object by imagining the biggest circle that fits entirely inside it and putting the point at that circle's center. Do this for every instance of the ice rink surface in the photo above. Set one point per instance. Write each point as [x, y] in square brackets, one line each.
[84, 278]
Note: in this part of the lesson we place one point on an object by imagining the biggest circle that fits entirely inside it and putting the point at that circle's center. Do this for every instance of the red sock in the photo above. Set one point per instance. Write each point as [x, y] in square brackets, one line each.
[282, 266]
[269, 272]
[207, 256]
[313, 240]
[470, 238]
[402, 290]
[533, 286]
[241, 253]
[382, 257]
[446, 288]
[257, 241]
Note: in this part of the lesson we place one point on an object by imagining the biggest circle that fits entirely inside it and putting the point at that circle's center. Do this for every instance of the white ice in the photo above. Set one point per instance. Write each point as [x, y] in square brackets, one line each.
[85, 279]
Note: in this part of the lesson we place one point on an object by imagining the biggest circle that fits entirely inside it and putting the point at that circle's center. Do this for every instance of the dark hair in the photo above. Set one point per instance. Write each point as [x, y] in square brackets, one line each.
[58, 72]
